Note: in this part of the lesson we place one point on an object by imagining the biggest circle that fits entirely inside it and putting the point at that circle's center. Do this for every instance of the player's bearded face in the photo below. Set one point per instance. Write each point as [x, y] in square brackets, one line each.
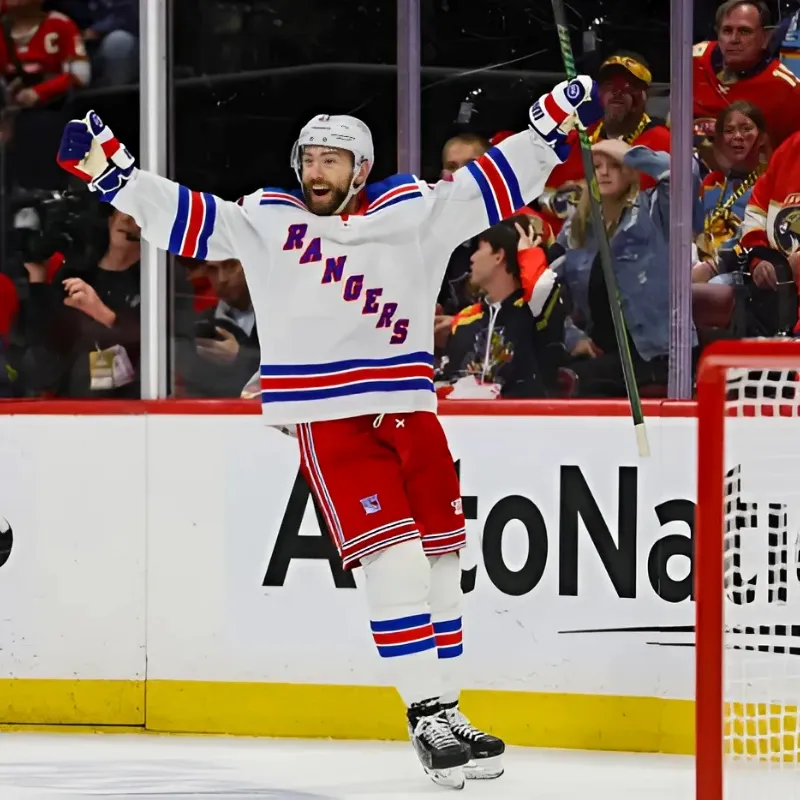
[327, 174]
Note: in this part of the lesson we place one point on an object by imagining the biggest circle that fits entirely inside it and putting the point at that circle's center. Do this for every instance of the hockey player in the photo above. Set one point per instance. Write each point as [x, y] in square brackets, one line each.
[344, 278]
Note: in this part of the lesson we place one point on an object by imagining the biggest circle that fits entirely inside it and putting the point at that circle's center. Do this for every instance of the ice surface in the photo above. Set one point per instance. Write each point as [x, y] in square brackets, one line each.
[34, 765]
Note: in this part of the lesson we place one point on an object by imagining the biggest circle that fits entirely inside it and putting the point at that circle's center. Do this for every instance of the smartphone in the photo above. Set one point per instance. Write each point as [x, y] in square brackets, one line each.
[205, 329]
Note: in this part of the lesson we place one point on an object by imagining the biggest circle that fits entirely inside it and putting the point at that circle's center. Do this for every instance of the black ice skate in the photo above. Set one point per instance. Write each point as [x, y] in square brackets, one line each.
[441, 754]
[485, 751]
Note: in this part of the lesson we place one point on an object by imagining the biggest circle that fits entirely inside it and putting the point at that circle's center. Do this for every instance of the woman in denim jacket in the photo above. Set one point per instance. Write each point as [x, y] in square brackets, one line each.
[638, 230]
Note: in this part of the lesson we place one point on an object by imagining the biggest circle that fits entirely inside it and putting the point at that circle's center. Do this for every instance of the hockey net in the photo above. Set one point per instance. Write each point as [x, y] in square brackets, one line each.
[747, 571]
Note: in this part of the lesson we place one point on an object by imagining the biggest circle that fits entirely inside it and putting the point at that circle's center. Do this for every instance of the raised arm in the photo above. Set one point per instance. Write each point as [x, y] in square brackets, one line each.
[513, 173]
[187, 223]
[174, 218]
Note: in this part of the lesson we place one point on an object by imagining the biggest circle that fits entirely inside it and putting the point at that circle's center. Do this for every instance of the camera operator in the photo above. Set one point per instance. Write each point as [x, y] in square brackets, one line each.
[80, 333]
[226, 350]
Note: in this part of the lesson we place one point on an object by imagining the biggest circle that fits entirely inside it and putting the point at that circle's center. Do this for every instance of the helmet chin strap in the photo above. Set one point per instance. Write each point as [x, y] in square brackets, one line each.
[351, 192]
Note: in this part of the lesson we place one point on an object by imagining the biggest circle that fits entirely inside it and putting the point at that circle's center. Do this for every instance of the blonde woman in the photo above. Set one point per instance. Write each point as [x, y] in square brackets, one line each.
[637, 224]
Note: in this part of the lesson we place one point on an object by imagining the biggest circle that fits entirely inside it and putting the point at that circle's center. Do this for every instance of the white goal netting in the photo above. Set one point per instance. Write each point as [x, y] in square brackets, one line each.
[761, 660]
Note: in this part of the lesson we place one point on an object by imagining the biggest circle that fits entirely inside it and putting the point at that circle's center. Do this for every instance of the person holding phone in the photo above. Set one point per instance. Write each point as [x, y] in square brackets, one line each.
[226, 350]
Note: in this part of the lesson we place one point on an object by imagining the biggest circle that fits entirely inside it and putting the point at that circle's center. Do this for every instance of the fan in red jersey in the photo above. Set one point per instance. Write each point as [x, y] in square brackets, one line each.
[772, 218]
[42, 54]
[623, 81]
[737, 67]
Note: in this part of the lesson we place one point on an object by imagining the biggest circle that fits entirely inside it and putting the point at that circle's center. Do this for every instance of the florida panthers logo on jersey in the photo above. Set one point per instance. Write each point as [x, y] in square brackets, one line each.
[787, 228]
[353, 288]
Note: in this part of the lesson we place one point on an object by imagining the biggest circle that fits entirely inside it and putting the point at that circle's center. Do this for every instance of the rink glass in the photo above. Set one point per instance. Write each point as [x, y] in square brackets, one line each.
[37, 223]
[268, 69]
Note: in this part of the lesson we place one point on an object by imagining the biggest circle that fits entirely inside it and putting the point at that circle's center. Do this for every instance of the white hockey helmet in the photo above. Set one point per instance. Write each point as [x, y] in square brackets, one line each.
[342, 131]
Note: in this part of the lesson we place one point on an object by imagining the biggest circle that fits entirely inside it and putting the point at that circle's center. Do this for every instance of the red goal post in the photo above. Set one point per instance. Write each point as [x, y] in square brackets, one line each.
[747, 671]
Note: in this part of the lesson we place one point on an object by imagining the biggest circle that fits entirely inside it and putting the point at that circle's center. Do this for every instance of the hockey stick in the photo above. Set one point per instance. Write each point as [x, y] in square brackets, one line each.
[605, 250]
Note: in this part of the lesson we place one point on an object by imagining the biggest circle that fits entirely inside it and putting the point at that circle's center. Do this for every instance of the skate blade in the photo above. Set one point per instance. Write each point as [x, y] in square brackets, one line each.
[452, 778]
[484, 769]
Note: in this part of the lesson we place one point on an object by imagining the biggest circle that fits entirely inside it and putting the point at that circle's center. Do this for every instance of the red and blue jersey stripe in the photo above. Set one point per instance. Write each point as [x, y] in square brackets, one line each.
[279, 197]
[498, 184]
[194, 223]
[448, 636]
[404, 636]
[379, 196]
[283, 383]
[390, 192]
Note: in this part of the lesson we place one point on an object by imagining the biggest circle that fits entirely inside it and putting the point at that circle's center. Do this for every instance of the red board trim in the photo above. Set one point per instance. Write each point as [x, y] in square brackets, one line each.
[457, 408]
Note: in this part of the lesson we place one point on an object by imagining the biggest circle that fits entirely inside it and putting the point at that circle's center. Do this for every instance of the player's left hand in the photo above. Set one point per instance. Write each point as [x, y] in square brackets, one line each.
[90, 151]
[571, 103]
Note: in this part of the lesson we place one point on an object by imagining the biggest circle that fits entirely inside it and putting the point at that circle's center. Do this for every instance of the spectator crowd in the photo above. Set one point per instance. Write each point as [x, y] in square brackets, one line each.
[523, 310]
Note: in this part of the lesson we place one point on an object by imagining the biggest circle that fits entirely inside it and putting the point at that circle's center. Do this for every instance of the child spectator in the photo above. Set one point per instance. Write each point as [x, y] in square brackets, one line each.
[742, 145]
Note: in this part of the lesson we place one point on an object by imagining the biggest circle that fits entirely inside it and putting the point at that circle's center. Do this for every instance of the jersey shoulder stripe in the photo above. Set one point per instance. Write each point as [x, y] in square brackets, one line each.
[280, 197]
[392, 191]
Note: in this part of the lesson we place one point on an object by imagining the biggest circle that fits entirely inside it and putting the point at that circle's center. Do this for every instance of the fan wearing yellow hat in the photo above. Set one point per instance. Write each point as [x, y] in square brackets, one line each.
[623, 79]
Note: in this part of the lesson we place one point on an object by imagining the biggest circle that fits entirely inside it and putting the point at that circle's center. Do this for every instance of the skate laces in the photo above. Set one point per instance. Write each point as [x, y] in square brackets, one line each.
[461, 726]
[436, 730]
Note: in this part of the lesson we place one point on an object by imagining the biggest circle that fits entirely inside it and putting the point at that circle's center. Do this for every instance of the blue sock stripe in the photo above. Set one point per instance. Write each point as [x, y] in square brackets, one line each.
[393, 650]
[391, 625]
[451, 652]
[447, 626]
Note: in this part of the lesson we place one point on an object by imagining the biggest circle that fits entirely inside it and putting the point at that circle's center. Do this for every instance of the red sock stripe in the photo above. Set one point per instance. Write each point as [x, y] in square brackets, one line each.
[404, 637]
[449, 639]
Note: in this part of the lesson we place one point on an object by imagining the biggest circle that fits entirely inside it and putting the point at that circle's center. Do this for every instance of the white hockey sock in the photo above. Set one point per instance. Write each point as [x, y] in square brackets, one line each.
[446, 602]
[398, 583]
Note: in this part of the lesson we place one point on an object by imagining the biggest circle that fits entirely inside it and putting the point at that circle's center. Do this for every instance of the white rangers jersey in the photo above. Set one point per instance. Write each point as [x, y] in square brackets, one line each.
[345, 304]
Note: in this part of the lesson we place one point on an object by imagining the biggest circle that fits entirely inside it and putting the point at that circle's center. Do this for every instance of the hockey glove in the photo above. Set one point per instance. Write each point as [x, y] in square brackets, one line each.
[90, 151]
[571, 104]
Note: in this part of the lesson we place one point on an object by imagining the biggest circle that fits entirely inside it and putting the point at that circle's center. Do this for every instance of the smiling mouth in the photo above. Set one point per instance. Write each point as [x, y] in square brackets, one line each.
[320, 191]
